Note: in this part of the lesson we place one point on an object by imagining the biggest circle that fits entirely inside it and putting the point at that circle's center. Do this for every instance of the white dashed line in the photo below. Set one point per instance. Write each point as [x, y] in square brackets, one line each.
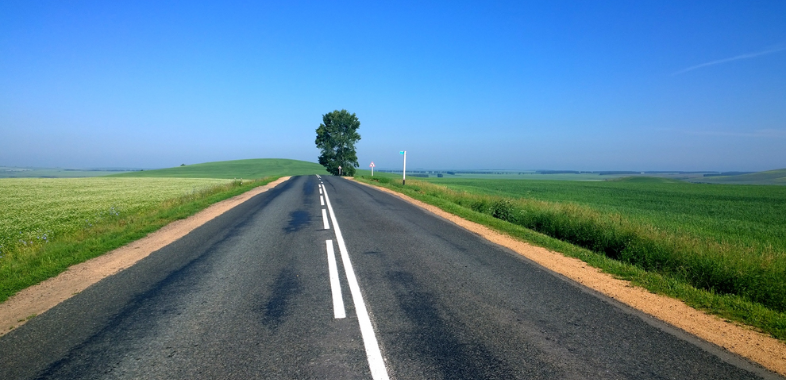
[325, 219]
[321, 200]
[335, 285]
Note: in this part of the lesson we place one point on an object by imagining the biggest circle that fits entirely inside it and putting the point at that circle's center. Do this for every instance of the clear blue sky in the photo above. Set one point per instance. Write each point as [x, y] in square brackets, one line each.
[585, 85]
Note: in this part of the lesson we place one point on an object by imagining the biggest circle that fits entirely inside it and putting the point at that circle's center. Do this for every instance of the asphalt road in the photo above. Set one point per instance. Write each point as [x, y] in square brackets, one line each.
[249, 295]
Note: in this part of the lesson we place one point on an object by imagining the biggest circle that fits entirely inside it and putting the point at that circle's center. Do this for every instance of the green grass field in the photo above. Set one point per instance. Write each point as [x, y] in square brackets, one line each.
[253, 168]
[743, 215]
[770, 177]
[11, 172]
[721, 248]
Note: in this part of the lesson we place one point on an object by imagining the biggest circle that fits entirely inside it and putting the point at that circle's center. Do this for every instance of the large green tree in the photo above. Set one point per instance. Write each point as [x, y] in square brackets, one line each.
[336, 137]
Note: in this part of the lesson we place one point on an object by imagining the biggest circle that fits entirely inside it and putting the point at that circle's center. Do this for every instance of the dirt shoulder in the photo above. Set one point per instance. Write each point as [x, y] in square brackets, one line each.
[41, 297]
[755, 346]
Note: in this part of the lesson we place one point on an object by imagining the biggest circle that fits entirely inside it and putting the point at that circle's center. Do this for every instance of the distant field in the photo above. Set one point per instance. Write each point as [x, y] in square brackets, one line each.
[503, 175]
[771, 177]
[747, 215]
[12, 172]
[249, 169]
[557, 176]
[33, 210]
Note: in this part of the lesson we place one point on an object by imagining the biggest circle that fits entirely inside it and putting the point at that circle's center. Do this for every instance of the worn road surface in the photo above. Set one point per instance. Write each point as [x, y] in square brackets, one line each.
[385, 291]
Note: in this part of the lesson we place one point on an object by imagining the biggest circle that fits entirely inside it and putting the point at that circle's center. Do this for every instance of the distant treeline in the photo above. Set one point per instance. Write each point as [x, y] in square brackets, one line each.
[451, 172]
[561, 172]
[425, 173]
[725, 174]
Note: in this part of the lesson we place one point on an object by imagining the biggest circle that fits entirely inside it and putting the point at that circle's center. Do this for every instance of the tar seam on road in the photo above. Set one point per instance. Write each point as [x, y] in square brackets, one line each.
[373, 353]
[335, 284]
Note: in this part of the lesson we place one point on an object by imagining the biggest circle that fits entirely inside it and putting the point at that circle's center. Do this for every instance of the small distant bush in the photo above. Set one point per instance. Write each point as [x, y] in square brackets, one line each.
[377, 179]
[503, 209]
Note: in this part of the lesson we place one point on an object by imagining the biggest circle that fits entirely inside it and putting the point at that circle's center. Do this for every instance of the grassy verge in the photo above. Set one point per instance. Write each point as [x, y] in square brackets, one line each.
[32, 263]
[744, 288]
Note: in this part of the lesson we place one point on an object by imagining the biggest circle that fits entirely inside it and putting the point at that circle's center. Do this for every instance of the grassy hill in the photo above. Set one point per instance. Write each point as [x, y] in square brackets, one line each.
[248, 169]
[770, 177]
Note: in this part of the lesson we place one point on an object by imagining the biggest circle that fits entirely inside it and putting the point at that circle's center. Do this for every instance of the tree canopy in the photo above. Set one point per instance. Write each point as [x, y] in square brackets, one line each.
[336, 138]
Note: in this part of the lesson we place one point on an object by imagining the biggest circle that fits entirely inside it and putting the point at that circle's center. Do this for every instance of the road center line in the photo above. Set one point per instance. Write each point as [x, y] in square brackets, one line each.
[335, 285]
[325, 220]
[373, 353]
[321, 200]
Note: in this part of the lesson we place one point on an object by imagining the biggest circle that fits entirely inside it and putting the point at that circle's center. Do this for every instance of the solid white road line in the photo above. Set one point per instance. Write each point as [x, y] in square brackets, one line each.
[335, 285]
[324, 219]
[373, 353]
[321, 200]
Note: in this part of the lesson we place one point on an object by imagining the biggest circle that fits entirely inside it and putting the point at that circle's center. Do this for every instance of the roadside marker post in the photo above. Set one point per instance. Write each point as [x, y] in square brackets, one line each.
[372, 168]
[404, 178]
[339, 170]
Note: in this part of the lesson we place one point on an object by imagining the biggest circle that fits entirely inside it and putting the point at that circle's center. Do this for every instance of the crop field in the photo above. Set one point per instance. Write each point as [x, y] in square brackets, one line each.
[743, 215]
[724, 240]
[12, 172]
[560, 176]
[770, 177]
[36, 210]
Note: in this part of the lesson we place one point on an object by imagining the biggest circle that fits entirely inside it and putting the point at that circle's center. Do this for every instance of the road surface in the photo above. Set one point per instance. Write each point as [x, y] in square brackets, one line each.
[371, 287]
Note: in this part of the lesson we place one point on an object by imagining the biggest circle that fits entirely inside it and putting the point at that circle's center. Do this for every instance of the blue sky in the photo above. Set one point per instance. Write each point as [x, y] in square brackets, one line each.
[612, 85]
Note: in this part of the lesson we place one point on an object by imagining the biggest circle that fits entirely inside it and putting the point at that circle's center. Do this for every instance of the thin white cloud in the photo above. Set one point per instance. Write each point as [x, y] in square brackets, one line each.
[736, 58]
[761, 133]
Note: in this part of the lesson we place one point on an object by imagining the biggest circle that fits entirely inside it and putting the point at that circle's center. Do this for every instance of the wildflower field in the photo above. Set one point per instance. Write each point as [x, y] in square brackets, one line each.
[720, 248]
[47, 225]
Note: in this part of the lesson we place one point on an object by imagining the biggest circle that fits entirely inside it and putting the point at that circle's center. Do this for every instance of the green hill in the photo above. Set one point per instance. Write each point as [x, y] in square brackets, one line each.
[770, 177]
[249, 169]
